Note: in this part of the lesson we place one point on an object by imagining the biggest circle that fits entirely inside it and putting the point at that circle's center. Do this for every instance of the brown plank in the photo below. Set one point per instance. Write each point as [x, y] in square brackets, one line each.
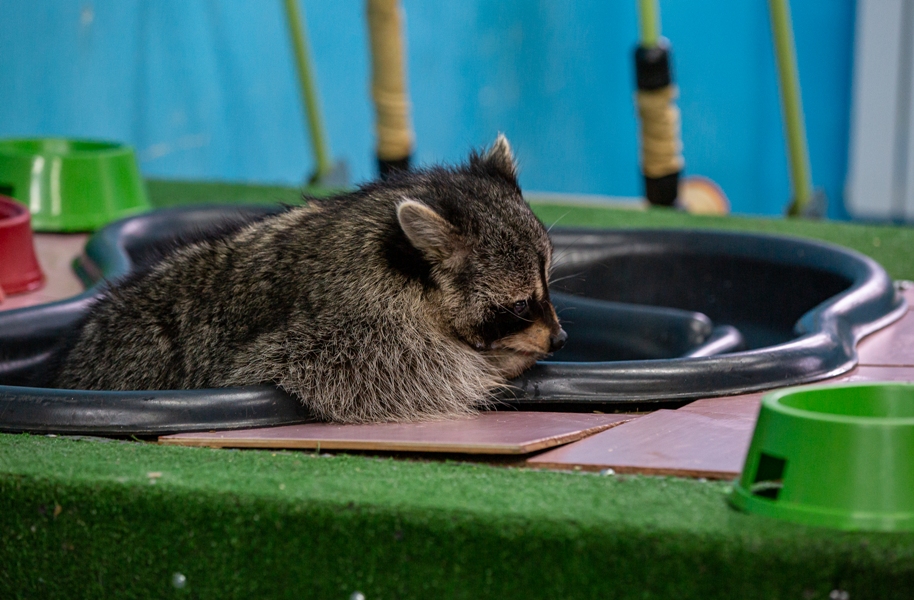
[865, 373]
[707, 438]
[486, 433]
[666, 442]
[746, 407]
[892, 346]
[55, 254]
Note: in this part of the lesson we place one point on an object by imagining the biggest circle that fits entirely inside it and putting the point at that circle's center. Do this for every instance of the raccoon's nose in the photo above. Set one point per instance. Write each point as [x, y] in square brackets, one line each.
[558, 340]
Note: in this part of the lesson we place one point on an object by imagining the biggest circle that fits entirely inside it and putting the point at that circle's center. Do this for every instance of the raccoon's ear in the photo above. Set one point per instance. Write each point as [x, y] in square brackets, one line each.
[500, 158]
[428, 232]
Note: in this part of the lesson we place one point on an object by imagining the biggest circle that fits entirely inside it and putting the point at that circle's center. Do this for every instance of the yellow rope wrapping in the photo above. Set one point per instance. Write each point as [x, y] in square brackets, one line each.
[388, 86]
[661, 145]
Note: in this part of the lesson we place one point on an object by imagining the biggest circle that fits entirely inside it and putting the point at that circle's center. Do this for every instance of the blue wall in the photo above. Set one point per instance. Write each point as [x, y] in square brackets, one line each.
[206, 89]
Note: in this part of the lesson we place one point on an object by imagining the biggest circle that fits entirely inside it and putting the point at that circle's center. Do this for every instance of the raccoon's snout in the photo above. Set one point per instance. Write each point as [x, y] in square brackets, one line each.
[557, 341]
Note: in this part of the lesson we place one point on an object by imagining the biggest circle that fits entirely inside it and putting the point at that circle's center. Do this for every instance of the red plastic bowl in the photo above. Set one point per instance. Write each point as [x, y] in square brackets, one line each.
[19, 269]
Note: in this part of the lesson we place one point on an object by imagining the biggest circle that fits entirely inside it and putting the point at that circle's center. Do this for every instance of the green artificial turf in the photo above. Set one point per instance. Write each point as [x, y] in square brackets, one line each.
[259, 524]
[81, 518]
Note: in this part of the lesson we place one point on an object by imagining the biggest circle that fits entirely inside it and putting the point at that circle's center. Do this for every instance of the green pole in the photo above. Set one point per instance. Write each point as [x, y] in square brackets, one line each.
[795, 129]
[650, 23]
[308, 92]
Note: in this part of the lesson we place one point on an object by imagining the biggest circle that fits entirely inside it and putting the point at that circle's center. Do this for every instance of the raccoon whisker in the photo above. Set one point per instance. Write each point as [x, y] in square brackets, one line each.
[510, 386]
[554, 223]
[556, 258]
[499, 402]
[553, 281]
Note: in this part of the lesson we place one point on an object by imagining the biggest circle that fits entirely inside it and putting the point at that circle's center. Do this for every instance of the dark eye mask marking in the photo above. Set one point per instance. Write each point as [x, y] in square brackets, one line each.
[502, 322]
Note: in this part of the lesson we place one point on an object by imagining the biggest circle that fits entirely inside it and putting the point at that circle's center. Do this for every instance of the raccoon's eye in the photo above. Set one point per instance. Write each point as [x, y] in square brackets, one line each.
[520, 309]
[507, 319]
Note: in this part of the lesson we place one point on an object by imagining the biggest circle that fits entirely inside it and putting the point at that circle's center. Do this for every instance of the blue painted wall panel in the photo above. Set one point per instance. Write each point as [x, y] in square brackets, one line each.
[207, 89]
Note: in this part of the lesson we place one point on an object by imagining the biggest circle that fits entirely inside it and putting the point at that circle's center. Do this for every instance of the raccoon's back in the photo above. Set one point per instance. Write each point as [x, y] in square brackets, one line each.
[179, 324]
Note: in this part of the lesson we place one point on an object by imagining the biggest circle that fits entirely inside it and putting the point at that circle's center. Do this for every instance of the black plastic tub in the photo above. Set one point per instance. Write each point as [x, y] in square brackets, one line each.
[782, 311]
[652, 316]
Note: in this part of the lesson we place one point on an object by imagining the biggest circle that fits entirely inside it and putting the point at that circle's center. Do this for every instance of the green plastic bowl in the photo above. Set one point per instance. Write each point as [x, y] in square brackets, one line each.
[839, 456]
[72, 185]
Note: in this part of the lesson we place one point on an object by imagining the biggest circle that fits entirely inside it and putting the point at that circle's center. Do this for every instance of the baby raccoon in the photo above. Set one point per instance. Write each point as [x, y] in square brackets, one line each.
[412, 298]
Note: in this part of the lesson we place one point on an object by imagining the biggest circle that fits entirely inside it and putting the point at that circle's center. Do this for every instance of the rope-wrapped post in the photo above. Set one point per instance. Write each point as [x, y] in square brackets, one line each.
[661, 144]
[388, 86]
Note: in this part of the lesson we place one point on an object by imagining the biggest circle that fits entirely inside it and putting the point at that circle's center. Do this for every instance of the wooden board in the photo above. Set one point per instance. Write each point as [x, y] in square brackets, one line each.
[666, 442]
[865, 373]
[744, 407]
[748, 406]
[892, 346]
[486, 433]
[55, 254]
[707, 438]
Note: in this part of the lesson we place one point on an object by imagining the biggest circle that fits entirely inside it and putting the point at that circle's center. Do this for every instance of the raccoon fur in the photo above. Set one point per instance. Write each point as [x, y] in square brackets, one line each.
[409, 299]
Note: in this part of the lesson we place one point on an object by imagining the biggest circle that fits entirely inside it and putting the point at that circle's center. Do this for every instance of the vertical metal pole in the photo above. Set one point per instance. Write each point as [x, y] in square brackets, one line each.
[794, 127]
[316, 131]
[650, 26]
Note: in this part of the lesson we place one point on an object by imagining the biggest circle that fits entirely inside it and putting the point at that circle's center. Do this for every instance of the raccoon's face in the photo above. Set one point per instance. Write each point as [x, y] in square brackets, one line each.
[507, 314]
[491, 268]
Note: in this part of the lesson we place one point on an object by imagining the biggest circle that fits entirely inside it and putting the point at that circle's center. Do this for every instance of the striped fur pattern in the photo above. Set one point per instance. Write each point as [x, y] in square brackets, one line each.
[409, 299]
